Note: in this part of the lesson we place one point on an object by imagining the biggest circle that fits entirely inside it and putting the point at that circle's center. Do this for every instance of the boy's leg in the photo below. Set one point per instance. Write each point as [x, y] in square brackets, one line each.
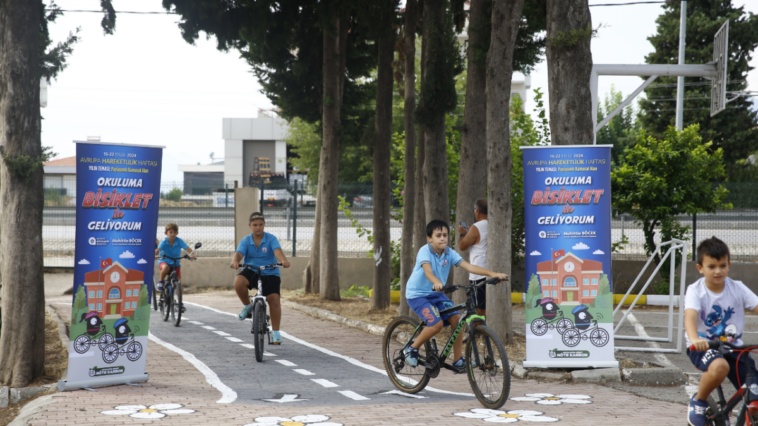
[458, 344]
[276, 310]
[712, 378]
[426, 334]
[164, 271]
[240, 286]
[715, 369]
[425, 309]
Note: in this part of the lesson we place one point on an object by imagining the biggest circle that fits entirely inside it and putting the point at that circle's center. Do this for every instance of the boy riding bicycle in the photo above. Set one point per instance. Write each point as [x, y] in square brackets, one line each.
[714, 310]
[258, 249]
[423, 290]
[171, 246]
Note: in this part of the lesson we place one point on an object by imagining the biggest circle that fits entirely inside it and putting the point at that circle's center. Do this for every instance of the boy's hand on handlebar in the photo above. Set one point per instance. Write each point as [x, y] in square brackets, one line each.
[438, 287]
[700, 344]
[235, 265]
[502, 277]
[286, 263]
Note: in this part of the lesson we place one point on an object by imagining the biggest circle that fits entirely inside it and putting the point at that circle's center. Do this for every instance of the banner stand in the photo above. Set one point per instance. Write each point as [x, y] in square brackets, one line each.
[63, 385]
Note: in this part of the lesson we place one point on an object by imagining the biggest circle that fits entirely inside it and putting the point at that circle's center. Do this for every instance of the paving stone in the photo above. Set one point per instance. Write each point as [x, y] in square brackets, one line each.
[596, 375]
[654, 376]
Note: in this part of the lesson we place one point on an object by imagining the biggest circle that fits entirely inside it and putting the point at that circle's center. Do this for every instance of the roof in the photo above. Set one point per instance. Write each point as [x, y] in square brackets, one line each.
[131, 274]
[587, 265]
[61, 162]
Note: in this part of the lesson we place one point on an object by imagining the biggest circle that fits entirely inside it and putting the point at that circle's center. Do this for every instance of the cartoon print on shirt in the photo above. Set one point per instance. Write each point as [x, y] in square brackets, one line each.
[719, 329]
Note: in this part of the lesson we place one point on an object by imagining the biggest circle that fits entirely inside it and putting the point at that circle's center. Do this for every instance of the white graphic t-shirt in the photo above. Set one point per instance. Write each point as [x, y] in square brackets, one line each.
[721, 316]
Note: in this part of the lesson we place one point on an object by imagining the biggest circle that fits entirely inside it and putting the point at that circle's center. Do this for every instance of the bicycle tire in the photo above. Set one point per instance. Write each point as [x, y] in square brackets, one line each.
[399, 333]
[259, 325]
[155, 297]
[713, 408]
[166, 301]
[176, 304]
[491, 368]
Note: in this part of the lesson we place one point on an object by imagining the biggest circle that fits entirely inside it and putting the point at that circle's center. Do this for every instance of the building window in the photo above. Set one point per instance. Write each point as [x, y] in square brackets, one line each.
[569, 282]
[92, 294]
[555, 282]
[134, 305]
[128, 293]
[586, 281]
[114, 294]
[594, 292]
[135, 292]
[555, 293]
[99, 293]
[126, 305]
[91, 306]
[546, 293]
[545, 283]
[99, 306]
[594, 281]
[586, 293]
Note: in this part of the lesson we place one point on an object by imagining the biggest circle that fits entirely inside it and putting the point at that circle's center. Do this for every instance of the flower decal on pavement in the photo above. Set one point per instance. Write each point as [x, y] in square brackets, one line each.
[513, 416]
[157, 411]
[550, 399]
[312, 419]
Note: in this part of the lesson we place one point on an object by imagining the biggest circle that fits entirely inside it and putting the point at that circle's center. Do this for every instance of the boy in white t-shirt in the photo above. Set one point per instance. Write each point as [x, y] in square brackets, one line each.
[714, 309]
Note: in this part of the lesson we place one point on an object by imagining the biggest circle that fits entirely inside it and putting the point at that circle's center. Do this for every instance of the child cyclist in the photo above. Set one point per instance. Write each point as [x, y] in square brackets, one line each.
[171, 246]
[259, 249]
[714, 309]
[425, 284]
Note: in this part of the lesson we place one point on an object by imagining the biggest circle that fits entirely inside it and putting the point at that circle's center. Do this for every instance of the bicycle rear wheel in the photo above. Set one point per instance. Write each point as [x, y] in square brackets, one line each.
[176, 303]
[259, 328]
[155, 297]
[400, 333]
[166, 301]
[487, 365]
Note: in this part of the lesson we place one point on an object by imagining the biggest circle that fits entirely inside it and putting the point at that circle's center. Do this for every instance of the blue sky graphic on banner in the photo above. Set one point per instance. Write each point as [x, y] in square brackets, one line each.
[569, 300]
[118, 193]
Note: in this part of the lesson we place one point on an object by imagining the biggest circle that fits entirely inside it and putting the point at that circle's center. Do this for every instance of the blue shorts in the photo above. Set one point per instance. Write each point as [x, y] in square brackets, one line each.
[703, 359]
[428, 308]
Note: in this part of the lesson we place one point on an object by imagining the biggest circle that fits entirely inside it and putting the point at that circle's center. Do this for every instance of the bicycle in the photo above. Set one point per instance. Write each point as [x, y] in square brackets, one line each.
[259, 316]
[718, 412]
[170, 302]
[486, 360]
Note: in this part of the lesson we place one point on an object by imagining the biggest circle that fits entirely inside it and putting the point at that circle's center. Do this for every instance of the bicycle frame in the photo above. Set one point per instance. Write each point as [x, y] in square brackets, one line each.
[744, 392]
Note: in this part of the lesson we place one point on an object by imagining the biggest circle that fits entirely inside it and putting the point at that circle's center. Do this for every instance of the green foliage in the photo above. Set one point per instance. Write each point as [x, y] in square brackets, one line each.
[173, 195]
[24, 166]
[77, 310]
[355, 291]
[734, 129]
[662, 179]
[566, 39]
[533, 292]
[53, 61]
[604, 298]
[142, 313]
[620, 131]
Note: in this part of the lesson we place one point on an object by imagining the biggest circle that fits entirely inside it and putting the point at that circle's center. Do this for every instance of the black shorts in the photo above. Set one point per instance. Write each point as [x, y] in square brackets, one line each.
[271, 283]
[480, 294]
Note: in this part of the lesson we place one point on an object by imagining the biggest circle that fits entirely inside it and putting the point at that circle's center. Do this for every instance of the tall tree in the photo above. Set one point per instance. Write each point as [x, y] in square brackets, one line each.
[569, 65]
[735, 129]
[419, 217]
[506, 19]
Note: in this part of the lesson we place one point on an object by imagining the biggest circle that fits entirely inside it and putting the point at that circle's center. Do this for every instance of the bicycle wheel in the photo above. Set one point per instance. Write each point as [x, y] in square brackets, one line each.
[599, 337]
[571, 337]
[134, 351]
[400, 333]
[81, 344]
[176, 303]
[155, 298]
[490, 376]
[166, 300]
[105, 340]
[110, 353]
[563, 325]
[717, 421]
[259, 328]
[539, 327]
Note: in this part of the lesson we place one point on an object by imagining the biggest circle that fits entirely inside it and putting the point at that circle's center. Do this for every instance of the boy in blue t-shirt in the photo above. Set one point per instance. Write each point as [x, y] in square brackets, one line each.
[171, 246]
[259, 249]
[423, 290]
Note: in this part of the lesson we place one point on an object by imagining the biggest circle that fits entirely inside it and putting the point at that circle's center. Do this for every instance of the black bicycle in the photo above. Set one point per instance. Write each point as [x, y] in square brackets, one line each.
[170, 302]
[718, 412]
[486, 361]
[260, 317]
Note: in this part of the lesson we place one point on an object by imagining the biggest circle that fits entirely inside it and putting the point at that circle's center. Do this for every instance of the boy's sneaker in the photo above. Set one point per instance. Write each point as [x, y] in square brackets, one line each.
[276, 338]
[159, 287]
[460, 365]
[696, 412]
[245, 312]
[411, 356]
[183, 308]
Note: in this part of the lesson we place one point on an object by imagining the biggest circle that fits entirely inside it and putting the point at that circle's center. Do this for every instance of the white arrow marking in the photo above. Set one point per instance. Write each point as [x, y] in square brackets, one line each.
[285, 398]
[354, 396]
[408, 395]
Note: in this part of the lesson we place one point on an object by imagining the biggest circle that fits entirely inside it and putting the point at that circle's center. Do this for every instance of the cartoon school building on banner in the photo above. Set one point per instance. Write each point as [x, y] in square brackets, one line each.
[570, 280]
[113, 291]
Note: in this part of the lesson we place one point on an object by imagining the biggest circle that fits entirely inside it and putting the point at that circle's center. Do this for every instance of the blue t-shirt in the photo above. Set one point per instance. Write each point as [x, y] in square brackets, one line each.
[172, 251]
[259, 256]
[418, 284]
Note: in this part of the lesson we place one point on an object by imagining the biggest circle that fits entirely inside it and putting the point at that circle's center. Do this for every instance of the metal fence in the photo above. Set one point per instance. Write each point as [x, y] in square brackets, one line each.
[206, 214]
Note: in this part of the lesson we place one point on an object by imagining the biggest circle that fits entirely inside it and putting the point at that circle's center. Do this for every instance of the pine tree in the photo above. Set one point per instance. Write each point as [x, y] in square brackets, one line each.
[533, 291]
[604, 298]
[735, 129]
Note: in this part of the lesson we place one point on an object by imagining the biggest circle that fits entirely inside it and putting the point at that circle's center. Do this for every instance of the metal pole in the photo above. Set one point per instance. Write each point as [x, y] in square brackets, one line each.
[261, 203]
[294, 222]
[680, 79]
[226, 192]
[287, 212]
[694, 237]
[622, 226]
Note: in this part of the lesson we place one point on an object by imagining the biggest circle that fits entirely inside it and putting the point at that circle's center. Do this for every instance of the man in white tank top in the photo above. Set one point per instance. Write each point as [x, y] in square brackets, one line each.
[476, 240]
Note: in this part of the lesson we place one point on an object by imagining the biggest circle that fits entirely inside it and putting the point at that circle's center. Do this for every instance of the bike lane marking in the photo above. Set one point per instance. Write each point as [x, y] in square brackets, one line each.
[354, 396]
[326, 383]
[234, 339]
[303, 372]
[286, 363]
[221, 333]
[208, 327]
[249, 346]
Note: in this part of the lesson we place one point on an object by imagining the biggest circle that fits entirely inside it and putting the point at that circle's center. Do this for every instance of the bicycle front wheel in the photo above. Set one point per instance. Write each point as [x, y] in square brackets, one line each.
[155, 297]
[176, 304]
[166, 301]
[487, 365]
[400, 333]
[259, 329]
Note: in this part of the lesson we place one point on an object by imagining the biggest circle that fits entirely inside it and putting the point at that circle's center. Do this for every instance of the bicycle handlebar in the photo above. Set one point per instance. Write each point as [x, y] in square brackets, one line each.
[271, 266]
[186, 256]
[717, 344]
[491, 281]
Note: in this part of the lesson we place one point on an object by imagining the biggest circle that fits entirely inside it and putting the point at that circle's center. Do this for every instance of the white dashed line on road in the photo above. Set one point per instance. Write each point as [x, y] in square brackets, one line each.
[286, 363]
[221, 333]
[234, 339]
[661, 358]
[196, 322]
[325, 383]
[354, 396]
[249, 346]
[407, 395]
[303, 372]
[208, 327]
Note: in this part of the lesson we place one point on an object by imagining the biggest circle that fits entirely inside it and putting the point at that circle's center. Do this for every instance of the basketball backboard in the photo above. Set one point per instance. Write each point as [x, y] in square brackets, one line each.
[720, 58]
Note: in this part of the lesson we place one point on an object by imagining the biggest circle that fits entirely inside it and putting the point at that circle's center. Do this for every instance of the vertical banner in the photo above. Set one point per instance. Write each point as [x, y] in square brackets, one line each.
[569, 300]
[117, 197]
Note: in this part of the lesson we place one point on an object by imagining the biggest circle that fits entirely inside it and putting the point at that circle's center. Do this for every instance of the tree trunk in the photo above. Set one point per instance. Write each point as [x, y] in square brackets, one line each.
[382, 148]
[569, 68]
[329, 277]
[472, 175]
[22, 345]
[506, 16]
[311, 274]
[419, 217]
[407, 258]
[436, 202]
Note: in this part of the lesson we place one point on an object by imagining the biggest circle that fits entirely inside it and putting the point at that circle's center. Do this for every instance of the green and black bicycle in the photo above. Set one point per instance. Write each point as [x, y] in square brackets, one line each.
[486, 361]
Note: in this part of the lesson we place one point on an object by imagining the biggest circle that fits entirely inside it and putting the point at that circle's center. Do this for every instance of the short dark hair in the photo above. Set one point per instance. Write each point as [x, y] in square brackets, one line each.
[172, 227]
[712, 247]
[435, 225]
[481, 205]
[257, 216]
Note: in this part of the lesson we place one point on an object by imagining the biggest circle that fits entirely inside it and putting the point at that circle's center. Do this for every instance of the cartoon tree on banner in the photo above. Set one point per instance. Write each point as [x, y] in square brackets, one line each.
[142, 313]
[533, 292]
[604, 297]
[80, 305]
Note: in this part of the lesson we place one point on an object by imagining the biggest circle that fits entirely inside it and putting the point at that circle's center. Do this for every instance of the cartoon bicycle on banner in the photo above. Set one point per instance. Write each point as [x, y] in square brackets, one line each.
[95, 335]
[550, 314]
[584, 329]
[123, 346]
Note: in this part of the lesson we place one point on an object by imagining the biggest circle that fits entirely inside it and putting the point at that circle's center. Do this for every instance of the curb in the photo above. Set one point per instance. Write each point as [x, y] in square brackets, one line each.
[331, 316]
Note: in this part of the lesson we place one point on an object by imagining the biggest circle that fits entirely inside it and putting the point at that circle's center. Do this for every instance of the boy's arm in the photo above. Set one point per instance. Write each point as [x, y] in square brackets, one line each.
[481, 271]
[469, 239]
[236, 260]
[189, 251]
[437, 284]
[690, 327]
[279, 255]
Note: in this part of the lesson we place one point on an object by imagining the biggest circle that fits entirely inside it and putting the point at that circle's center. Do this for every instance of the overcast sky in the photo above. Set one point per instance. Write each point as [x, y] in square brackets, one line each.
[146, 85]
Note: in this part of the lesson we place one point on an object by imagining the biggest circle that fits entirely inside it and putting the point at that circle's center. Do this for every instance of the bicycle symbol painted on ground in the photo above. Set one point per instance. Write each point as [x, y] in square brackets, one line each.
[124, 344]
[95, 335]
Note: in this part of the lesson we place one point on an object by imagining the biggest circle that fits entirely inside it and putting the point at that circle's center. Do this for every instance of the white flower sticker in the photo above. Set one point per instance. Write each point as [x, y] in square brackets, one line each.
[157, 411]
[550, 399]
[312, 419]
[513, 416]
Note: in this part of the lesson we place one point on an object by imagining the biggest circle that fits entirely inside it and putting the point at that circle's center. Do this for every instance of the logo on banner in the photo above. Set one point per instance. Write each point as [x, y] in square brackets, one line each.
[549, 234]
[107, 371]
[92, 241]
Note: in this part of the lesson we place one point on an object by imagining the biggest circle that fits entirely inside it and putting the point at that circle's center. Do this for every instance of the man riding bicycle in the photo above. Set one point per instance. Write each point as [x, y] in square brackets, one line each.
[258, 249]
